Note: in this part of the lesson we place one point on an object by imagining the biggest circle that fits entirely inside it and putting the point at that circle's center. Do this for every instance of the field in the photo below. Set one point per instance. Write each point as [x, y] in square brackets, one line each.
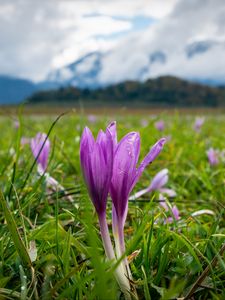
[50, 243]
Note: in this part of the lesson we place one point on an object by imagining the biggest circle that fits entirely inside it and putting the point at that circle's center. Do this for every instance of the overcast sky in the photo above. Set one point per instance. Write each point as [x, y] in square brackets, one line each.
[37, 37]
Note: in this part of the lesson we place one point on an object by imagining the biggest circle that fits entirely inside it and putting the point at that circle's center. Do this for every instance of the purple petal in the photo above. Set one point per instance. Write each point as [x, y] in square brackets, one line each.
[164, 205]
[87, 141]
[96, 162]
[124, 170]
[160, 125]
[159, 180]
[36, 144]
[198, 123]
[175, 212]
[139, 194]
[153, 153]
[112, 128]
[168, 192]
[213, 156]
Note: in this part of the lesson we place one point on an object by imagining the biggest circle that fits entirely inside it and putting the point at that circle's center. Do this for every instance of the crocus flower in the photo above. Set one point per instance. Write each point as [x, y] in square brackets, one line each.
[160, 125]
[92, 119]
[124, 177]
[16, 124]
[157, 184]
[40, 146]
[198, 123]
[174, 210]
[144, 122]
[213, 156]
[96, 158]
[24, 140]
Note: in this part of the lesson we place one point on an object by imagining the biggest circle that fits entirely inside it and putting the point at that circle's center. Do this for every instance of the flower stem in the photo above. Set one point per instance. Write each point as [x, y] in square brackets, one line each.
[120, 271]
[106, 237]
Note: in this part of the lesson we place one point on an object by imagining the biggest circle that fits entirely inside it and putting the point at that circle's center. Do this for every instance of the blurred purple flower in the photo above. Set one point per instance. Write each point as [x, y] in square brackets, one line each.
[198, 123]
[24, 140]
[175, 213]
[160, 125]
[213, 156]
[92, 119]
[16, 124]
[40, 146]
[144, 122]
[174, 210]
[157, 184]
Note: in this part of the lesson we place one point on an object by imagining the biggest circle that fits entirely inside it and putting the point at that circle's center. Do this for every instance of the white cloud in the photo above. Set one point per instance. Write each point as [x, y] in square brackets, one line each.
[36, 36]
[193, 20]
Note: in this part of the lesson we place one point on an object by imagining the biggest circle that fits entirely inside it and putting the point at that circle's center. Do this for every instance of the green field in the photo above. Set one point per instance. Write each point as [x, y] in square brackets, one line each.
[50, 245]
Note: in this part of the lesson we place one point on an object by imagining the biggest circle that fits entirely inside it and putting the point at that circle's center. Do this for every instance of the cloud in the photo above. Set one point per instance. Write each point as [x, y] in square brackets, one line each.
[193, 21]
[37, 36]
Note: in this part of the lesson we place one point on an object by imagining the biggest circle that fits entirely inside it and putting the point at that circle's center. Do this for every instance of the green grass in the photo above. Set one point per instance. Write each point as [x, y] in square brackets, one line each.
[50, 248]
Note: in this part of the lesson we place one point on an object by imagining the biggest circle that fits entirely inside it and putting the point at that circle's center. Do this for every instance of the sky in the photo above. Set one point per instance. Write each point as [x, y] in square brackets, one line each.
[37, 37]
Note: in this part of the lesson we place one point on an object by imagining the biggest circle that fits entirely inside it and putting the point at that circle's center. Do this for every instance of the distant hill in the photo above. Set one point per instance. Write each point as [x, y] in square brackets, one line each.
[14, 90]
[166, 90]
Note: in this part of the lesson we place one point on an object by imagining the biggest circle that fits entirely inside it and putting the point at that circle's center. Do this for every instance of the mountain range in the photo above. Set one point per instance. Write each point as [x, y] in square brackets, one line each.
[87, 73]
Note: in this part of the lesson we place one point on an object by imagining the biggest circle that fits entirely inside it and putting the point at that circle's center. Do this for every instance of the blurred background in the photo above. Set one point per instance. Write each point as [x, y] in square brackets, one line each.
[155, 53]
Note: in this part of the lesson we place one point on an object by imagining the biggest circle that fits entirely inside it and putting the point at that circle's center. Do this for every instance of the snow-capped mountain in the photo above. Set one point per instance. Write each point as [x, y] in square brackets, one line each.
[98, 69]
[82, 73]
[101, 69]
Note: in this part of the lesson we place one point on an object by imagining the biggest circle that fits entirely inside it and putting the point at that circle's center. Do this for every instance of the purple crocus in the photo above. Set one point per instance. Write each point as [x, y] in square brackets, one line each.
[160, 125]
[25, 140]
[40, 146]
[144, 123]
[157, 184]
[96, 158]
[198, 123]
[125, 175]
[174, 210]
[92, 119]
[213, 156]
[125, 171]
[40, 143]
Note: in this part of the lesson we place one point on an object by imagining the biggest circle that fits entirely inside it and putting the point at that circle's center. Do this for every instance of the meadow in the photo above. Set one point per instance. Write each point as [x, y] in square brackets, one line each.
[50, 244]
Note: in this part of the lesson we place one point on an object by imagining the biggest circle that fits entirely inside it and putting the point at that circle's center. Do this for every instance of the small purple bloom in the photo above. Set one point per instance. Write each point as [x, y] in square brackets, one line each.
[175, 213]
[157, 184]
[213, 156]
[16, 124]
[96, 159]
[24, 140]
[160, 125]
[92, 119]
[144, 122]
[37, 144]
[198, 123]
[174, 210]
